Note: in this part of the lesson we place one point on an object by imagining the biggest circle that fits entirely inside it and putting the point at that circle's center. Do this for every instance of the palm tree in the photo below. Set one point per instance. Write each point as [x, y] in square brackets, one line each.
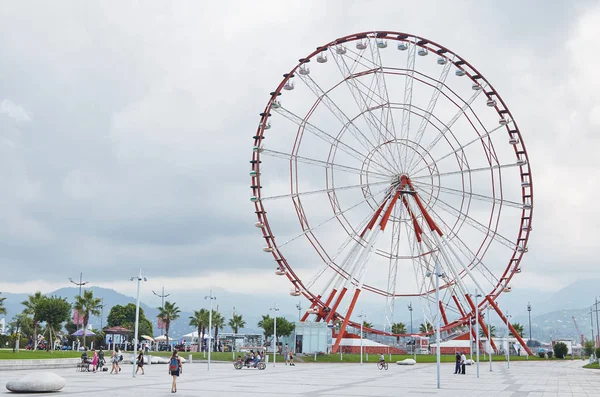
[519, 328]
[2, 308]
[426, 328]
[236, 322]
[200, 321]
[32, 305]
[398, 328]
[167, 313]
[87, 305]
[218, 321]
[491, 329]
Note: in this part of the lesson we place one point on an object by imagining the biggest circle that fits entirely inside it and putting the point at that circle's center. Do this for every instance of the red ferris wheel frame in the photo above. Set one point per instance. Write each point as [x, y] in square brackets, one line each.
[322, 306]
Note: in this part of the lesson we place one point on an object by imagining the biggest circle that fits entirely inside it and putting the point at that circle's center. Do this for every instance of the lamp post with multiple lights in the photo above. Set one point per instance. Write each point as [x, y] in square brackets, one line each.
[212, 298]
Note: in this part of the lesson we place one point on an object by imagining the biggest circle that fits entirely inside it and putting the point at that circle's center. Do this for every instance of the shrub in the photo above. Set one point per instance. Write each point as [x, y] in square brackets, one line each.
[550, 353]
[560, 350]
[541, 354]
[598, 352]
[588, 347]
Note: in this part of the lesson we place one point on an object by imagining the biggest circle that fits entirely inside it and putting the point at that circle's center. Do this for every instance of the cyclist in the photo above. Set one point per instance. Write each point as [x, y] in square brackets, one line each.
[381, 359]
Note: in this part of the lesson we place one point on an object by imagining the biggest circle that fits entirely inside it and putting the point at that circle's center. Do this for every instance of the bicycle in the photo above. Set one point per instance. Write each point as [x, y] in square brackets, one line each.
[382, 364]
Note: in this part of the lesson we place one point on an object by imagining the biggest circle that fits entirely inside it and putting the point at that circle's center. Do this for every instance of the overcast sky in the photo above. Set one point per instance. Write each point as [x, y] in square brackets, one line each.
[125, 129]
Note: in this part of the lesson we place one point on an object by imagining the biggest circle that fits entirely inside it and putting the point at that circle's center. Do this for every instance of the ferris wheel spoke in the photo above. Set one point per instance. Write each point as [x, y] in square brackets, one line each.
[467, 171]
[462, 147]
[339, 114]
[335, 216]
[328, 190]
[476, 224]
[454, 119]
[316, 131]
[431, 107]
[408, 94]
[364, 102]
[454, 238]
[320, 163]
[476, 196]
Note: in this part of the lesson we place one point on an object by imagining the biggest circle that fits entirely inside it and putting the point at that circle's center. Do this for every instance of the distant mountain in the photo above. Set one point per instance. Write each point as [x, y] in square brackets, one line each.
[552, 312]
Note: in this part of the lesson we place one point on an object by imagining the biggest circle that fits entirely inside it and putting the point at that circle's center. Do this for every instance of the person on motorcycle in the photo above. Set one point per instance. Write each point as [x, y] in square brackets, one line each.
[256, 359]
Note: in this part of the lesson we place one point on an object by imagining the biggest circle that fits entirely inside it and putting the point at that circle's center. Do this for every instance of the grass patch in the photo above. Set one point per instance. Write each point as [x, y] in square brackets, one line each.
[592, 366]
[8, 354]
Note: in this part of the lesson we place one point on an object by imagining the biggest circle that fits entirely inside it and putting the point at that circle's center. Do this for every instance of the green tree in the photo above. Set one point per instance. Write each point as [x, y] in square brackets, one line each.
[284, 327]
[87, 305]
[588, 347]
[167, 313]
[560, 350]
[54, 311]
[492, 330]
[398, 328]
[200, 321]
[124, 316]
[218, 321]
[266, 324]
[31, 309]
[519, 328]
[236, 322]
[425, 328]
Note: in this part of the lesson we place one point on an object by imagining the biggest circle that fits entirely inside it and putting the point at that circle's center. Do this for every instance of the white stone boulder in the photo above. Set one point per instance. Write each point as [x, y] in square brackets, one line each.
[469, 362]
[407, 361]
[164, 360]
[41, 382]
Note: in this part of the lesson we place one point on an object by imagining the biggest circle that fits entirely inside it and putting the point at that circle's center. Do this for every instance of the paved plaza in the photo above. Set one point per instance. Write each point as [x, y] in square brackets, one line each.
[532, 379]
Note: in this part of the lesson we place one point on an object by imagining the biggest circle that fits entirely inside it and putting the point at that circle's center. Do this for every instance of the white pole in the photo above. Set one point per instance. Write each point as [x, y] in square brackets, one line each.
[507, 343]
[437, 328]
[137, 319]
[471, 338]
[211, 297]
[361, 340]
[477, 328]
[489, 336]
[275, 310]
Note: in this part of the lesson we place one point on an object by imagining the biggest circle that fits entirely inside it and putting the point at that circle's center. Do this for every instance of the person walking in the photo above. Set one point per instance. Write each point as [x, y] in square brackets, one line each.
[94, 360]
[140, 362]
[175, 369]
[463, 362]
[114, 359]
[457, 360]
[101, 361]
[292, 359]
[286, 354]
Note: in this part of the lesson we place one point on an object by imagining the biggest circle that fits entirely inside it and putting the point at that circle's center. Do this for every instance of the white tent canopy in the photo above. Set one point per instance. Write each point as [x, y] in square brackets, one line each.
[194, 335]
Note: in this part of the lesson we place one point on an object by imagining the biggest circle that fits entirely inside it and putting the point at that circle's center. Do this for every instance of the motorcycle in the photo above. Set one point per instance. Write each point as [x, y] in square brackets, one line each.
[240, 364]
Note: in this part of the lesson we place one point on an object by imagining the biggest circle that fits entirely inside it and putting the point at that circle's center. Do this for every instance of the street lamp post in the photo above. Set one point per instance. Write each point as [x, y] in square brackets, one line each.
[507, 342]
[361, 316]
[529, 312]
[275, 310]
[438, 315]
[592, 324]
[101, 314]
[299, 307]
[79, 284]
[139, 279]
[477, 296]
[489, 335]
[597, 341]
[212, 298]
[161, 296]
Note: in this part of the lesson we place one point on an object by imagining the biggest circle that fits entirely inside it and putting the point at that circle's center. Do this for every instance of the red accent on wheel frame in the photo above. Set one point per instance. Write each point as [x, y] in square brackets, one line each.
[512, 329]
[443, 312]
[345, 323]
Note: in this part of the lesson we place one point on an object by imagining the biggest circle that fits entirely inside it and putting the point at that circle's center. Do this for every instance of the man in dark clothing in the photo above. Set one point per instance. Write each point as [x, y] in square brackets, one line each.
[457, 363]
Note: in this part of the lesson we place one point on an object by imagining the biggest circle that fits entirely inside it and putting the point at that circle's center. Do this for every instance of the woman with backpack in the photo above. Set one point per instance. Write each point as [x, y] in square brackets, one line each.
[175, 369]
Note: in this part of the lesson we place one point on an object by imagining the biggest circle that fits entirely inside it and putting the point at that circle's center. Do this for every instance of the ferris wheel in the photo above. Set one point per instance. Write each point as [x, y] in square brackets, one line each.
[379, 157]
